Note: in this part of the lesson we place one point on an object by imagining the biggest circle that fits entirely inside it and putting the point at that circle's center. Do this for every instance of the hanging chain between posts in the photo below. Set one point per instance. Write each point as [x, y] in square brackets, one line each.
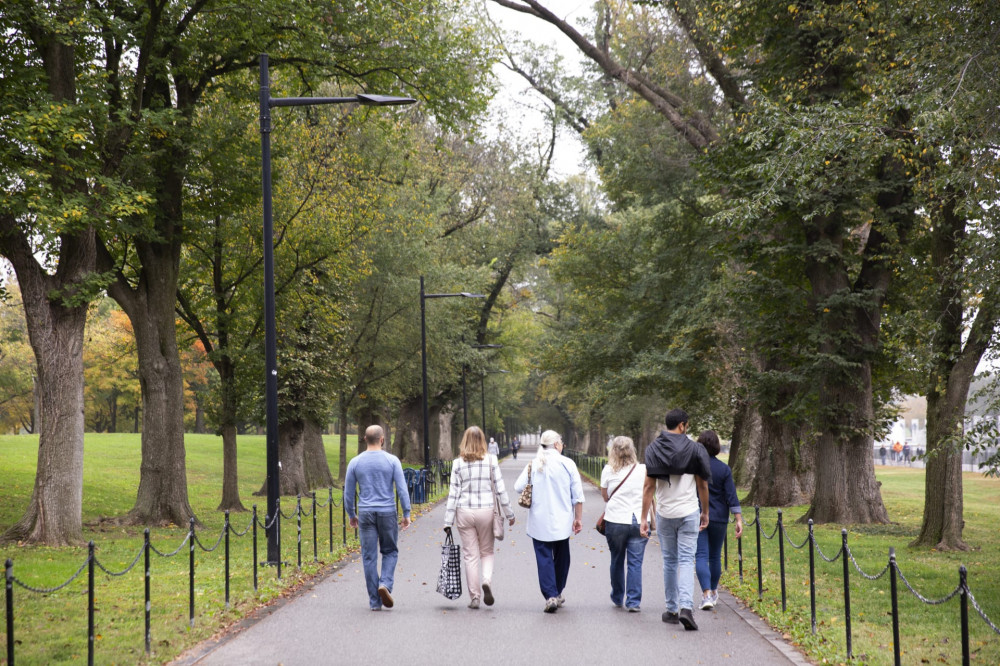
[979, 610]
[178, 549]
[288, 517]
[217, 542]
[773, 532]
[243, 533]
[268, 525]
[861, 571]
[840, 551]
[792, 543]
[932, 602]
[49, 590]
[100, 566]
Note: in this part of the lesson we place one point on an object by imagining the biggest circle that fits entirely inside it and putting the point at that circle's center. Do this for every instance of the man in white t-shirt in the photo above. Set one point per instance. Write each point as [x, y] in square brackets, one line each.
[677, 471]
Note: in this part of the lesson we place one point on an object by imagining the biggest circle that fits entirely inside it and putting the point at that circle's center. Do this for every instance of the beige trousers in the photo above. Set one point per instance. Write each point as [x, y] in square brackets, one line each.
[475, 528]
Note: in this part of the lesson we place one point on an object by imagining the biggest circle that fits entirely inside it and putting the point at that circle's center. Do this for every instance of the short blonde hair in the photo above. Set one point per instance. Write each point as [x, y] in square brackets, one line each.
[473, 446]
[621, 453]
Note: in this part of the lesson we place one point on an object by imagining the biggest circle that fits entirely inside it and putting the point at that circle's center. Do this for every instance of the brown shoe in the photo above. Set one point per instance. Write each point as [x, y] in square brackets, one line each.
[383, 594]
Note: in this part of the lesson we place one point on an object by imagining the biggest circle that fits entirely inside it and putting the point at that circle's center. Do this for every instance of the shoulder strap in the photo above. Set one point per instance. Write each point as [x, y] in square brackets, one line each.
[622, 481]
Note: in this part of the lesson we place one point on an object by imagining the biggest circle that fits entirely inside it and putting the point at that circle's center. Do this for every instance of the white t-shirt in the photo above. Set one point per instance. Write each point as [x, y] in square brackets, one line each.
[627, 500]
[678, 498]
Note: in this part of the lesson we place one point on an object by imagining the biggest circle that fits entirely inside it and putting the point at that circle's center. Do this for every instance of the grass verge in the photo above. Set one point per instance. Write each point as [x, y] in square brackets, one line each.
[52, 628]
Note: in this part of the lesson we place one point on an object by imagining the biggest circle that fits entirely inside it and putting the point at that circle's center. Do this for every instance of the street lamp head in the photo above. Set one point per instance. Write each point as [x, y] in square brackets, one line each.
[466, 294]
[384, 100]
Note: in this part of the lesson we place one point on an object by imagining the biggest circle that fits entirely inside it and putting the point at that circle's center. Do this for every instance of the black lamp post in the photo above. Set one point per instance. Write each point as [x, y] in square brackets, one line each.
[423, 359]
[465, 399]
[484, 394]
[270, 329]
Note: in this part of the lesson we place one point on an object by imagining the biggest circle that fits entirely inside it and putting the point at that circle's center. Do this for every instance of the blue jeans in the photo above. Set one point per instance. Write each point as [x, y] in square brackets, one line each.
[552, 558]
[679, 543]
[378, 532]
[708, 561]
[627, 548]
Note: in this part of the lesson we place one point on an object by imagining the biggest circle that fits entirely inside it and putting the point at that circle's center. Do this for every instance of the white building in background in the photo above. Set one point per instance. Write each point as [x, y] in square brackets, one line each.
[910, 427]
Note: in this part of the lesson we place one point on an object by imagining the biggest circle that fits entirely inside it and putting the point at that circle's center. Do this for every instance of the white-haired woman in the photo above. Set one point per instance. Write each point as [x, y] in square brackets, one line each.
[622, 480]
[470, 505]
[556, 512]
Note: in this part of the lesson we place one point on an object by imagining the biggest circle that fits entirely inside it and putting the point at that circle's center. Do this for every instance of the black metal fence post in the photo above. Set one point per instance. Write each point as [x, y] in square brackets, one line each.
[298, 529]
[90, 603]
[146, 586]
[812, 578]
[191, 538]
[330, 504]
[277, 526]
[895, 608]
[760, 575]
[255, 547]
[226, 528]
[964, 605]
[343, 518]
[781, 559]
[847, 592]
[315, 551]
[8, 574]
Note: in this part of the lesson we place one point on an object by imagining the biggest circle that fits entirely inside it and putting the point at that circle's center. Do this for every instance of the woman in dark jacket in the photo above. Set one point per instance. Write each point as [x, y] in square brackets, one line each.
[721, 501]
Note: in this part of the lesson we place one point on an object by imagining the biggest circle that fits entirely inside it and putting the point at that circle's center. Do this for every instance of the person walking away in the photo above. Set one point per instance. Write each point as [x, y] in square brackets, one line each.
[881, 453]
[897, 452]
[906, 453]
[556, 512]
[493, 449]
[722, 501]
[375, 473]
[470, 505]
[622, 481]
[677, 472]
[515, 446]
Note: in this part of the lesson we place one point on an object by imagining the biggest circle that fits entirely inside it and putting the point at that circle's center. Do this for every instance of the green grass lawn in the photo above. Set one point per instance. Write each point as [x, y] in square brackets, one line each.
[928, 634]
[52, 628]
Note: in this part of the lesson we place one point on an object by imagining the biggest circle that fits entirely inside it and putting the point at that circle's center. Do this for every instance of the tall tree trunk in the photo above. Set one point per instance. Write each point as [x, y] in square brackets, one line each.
[291, 474]
[445, 449]
[317, 467]
[745, 445]
[408, 444]
[54, 514]
[367, 416]
[784, 465]
[230, 475]
[953, 369]
[342, 465]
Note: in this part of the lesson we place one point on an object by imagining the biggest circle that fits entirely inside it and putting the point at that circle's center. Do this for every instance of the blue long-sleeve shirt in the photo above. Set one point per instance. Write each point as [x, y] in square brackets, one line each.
[721, 493]
[374, 473]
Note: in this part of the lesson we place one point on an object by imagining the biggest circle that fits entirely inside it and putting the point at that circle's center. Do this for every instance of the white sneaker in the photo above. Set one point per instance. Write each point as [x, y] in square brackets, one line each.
[715, 597]
[551, 605]
[560, 600]
[474, 603]
[707, 603]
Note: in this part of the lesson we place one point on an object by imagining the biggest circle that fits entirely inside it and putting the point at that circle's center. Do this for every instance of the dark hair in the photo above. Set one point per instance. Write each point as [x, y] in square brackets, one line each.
[675, 417]
[710, 441]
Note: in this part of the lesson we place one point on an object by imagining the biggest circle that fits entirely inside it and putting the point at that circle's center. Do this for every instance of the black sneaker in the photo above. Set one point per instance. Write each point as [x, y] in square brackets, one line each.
[687, 619]
[669, 618]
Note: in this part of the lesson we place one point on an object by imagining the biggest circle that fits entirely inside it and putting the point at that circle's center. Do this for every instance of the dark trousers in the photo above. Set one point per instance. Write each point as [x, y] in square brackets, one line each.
[552, 558]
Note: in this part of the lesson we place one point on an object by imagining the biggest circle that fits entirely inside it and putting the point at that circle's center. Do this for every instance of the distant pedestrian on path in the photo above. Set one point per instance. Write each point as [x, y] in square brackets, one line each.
[897, 452]
[722, 501]
[493, 449]
[881, 453]
[515, 446]
[677, 472]
[470, 503]
[622, 480]
[375, 472]
[906, 453]
[556, 512]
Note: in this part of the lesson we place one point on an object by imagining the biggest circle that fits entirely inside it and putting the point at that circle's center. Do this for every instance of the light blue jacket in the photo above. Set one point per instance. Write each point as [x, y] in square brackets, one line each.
[375, 473]
[554, 493]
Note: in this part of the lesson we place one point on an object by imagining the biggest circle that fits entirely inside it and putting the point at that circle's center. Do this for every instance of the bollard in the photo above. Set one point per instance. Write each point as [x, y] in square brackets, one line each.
[277, 526]
[739, 555]
[330, 504]
[191, 576]
[964, 605]
[847, 592]
[298, 529]
[315, 552]
[812, 578]
[8, 575]
[255, 546]
[226, 528]
[343, 519]
[760, 576]
[781, 559]
[90, 603]
[895, 607]
[148, 604]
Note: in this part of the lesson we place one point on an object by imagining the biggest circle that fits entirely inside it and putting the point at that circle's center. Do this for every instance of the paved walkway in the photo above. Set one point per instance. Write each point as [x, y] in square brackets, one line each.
[330, 623]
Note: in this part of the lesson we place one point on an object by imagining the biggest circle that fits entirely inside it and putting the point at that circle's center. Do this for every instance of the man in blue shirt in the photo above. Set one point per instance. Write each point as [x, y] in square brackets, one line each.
[375, 472]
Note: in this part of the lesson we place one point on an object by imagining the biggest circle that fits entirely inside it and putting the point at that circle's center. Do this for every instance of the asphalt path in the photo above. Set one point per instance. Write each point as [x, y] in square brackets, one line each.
[330, 623]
